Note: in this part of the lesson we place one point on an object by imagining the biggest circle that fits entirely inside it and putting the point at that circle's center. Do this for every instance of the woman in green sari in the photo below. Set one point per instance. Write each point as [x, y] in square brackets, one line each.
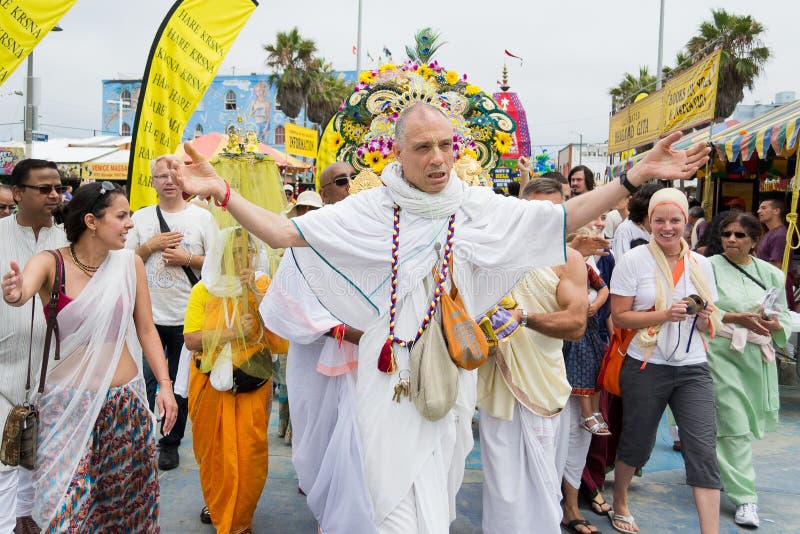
[742, 358]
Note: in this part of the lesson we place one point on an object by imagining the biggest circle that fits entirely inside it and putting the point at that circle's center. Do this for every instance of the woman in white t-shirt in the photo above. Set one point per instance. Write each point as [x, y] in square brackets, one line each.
[666, 361]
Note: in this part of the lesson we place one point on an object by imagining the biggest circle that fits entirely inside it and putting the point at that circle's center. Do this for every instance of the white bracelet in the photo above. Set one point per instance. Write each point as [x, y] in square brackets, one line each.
[524, 321]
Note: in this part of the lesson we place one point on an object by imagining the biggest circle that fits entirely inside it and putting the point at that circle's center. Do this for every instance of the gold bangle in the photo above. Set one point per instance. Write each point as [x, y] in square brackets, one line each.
[189, 263]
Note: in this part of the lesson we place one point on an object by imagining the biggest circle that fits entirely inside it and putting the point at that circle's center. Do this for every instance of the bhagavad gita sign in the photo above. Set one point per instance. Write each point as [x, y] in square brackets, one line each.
[688, 99]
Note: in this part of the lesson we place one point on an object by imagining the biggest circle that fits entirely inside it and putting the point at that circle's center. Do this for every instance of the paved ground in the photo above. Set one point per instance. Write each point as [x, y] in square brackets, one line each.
[660, 500]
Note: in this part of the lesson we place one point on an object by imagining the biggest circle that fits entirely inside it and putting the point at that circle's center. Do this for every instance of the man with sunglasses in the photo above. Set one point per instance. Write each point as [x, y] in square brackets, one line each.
[6, 201]
[334, 182]
[36, 188]
[169, 255]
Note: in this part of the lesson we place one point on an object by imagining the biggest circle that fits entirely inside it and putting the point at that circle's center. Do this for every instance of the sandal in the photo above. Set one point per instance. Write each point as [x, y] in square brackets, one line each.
[205, 516]
[600, 419]
[573, 525]
[598, 506]
[597, 428]
[624, 520]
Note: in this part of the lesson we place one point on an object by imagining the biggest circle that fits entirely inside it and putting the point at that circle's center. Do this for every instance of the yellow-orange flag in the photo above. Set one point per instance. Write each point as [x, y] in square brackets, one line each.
[187, 52]
[23, 23]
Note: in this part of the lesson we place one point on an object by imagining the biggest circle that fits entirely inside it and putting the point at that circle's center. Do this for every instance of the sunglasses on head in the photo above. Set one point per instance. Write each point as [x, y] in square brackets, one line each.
[105, 187]
[45, 189]
[341, 180]
[739, 235]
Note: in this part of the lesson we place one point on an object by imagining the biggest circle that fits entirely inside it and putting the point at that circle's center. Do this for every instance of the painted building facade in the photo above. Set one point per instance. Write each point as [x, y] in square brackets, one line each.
[247, 102]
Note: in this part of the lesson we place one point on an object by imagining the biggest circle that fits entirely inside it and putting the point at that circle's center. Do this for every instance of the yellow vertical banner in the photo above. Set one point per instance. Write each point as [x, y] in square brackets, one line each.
[691, 96]
[300, 141]
[23, 23]
[187, 52]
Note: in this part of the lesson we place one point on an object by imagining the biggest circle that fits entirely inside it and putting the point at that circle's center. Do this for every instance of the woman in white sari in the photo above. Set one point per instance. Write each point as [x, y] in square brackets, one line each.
[96, 468]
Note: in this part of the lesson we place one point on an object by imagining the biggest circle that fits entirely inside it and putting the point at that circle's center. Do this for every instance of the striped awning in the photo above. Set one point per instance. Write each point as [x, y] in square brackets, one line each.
[777, 129]
[686, 141]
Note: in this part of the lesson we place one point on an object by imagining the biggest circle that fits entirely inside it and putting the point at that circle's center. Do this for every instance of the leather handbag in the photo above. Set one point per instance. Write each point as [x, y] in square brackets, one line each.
[20, 433]
[433, 384]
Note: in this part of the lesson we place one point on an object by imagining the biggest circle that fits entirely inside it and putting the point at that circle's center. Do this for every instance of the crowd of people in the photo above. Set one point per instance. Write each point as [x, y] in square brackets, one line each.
[178, 294]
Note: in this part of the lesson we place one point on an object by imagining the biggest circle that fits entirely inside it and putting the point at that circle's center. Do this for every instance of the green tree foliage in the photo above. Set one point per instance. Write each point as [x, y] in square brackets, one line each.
[630, 87]
[291, 58]
[743, 55]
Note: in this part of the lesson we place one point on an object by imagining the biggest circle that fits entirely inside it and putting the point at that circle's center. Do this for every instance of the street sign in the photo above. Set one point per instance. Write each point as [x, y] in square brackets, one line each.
[39, 136]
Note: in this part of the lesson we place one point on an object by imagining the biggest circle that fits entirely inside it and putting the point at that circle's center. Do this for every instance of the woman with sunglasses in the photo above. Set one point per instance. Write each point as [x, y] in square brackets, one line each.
[96, 467]
[752, 302]
[666, 361]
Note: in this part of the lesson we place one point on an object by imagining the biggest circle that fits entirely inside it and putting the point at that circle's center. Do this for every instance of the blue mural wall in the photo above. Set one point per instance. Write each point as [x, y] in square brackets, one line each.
[248, 102]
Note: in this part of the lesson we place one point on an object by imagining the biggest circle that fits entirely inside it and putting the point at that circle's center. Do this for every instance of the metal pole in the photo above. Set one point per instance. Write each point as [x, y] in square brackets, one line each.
[30, 109]
[358, 42]
[659, 76]
[580, 150]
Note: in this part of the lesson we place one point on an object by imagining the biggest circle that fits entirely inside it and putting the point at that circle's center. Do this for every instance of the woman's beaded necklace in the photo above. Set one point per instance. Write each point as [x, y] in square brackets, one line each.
[386, 360]
[87, 269]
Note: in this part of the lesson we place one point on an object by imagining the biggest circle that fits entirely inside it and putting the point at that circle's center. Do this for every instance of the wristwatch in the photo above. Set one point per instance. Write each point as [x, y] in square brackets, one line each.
[623, 180]
[524, 320]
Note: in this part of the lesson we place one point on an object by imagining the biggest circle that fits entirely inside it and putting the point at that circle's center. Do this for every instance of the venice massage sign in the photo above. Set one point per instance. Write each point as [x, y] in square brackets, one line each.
[688, 99]
[23, 23]
[187, 52]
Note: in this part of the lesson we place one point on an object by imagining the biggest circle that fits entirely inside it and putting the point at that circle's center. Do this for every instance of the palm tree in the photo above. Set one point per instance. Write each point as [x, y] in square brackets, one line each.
[325, 92]
[743, 55]
[630, 87]
[682, 61]
[291, 58]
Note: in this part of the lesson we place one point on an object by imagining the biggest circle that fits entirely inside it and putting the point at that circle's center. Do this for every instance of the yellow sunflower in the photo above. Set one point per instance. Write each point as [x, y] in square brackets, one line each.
[336, 140]
[424, 71]
[502, 142]
[366, 76]
[472, 89]
[451, 77]
[387, 66]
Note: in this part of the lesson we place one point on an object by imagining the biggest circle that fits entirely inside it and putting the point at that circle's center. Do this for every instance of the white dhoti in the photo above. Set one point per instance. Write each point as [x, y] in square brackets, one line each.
[520, 390]
[572, 443]
[16, 497]
[326, 448]
[520, 484]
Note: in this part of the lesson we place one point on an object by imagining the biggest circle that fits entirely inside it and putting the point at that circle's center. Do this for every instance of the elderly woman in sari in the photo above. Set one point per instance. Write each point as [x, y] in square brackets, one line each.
[752, 302]
[666, 364]
[230, 386]
[96, 461]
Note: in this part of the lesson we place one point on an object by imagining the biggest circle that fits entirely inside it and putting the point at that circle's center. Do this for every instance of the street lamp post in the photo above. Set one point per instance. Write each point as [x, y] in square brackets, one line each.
[31, 115]
[31, 120]
[580, 146]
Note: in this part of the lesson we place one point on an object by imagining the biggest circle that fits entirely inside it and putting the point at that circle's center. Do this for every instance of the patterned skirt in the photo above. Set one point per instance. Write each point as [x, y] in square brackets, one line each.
[583, 358]
[115, 486]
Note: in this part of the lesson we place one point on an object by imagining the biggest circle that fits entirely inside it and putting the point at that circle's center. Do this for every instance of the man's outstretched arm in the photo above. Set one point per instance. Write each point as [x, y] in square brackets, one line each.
[661, 162]
[199, 178]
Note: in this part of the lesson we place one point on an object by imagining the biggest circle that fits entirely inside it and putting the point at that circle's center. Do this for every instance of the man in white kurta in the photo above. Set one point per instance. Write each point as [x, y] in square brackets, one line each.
[23, 235]
[413, 466]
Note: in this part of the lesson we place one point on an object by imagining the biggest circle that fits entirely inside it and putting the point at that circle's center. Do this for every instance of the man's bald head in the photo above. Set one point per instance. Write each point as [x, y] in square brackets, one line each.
[334, 182]
[412, 111]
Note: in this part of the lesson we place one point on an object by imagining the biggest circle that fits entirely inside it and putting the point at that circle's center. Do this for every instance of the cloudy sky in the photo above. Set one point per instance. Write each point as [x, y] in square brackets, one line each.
[573, 50]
